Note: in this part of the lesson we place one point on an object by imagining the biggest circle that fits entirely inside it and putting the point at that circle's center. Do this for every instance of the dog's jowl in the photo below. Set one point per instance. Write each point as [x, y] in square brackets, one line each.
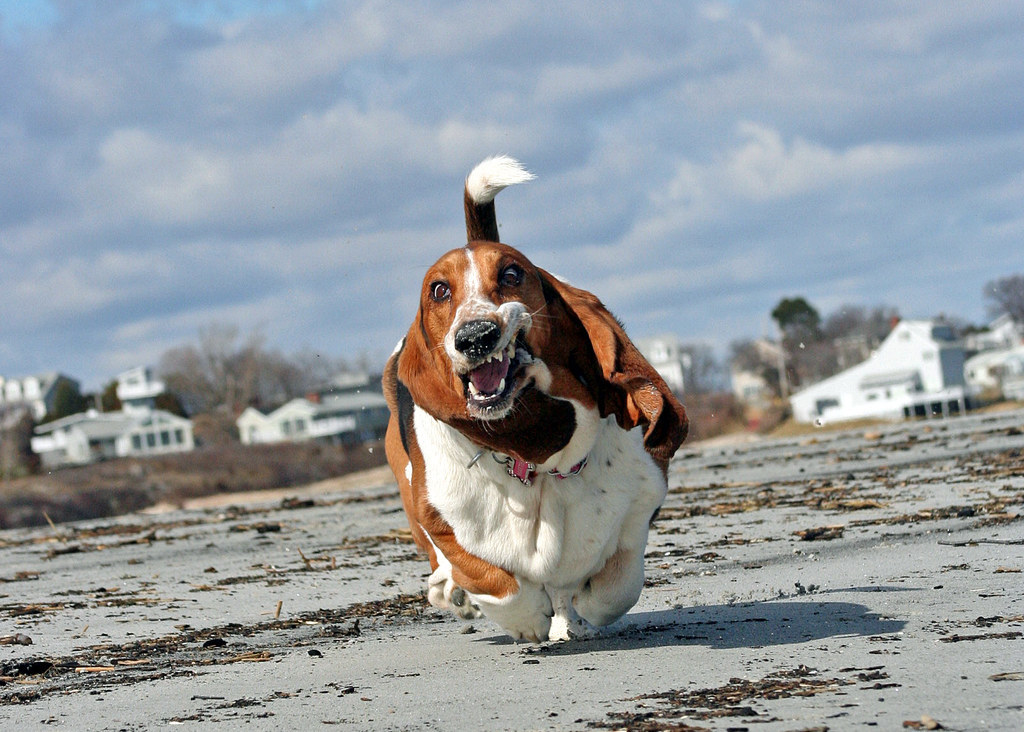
[529, 437]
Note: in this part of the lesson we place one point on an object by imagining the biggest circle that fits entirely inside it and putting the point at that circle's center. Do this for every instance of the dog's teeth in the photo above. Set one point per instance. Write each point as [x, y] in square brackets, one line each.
[473, 390]
[501, 386]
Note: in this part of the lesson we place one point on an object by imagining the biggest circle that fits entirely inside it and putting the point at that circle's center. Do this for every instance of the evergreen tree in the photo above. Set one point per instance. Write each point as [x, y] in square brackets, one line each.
[67, 400]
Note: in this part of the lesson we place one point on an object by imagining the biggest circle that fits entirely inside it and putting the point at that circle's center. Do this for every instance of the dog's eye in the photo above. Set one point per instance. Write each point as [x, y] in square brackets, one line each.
[512, 276]
[439, 291]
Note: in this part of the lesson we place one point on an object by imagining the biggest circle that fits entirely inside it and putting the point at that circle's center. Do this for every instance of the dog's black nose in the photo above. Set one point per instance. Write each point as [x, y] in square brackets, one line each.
[477, 338]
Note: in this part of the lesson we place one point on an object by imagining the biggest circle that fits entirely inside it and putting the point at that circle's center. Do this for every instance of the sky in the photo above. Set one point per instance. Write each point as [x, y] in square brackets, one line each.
[293, 167]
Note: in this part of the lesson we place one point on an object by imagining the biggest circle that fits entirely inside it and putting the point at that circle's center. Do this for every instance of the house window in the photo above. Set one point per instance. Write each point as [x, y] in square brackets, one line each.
[179, 437]
[150, 439]
[136, 442]
[165, 438]
[300, 426]
[822, 404]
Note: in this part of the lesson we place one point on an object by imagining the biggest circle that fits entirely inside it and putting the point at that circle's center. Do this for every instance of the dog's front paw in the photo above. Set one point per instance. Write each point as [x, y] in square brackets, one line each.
[566, 623]
[524, 616]
[569, 627]
[535, 629]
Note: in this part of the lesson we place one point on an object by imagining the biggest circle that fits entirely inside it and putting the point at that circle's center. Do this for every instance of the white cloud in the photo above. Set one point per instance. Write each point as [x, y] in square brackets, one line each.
[303, 168]
[763, 167]
[760, 167]
[157, 180]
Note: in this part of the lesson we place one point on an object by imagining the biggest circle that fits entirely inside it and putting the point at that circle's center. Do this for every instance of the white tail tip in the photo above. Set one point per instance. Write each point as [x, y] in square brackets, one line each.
[491, 176]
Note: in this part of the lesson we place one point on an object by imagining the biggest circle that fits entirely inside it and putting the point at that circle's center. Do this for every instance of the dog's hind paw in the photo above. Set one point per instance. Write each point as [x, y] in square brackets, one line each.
[463, 606]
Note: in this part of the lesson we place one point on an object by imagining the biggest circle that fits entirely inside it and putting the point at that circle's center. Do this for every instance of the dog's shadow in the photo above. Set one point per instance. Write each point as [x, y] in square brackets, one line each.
[742, 625]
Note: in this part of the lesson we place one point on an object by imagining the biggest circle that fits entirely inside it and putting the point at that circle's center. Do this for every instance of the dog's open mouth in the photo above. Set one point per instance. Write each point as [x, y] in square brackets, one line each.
[492, 385]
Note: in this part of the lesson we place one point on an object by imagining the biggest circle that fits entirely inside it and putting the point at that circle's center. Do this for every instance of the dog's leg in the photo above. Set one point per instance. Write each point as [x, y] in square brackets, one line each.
[608, 595]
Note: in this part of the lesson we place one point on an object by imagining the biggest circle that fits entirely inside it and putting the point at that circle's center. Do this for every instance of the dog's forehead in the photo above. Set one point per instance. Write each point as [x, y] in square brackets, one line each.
[481, 259]
[489, 256]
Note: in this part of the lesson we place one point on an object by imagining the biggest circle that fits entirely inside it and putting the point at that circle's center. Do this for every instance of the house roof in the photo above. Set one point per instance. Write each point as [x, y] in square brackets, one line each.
[890, 378]
[329, 404]
[351, 401]
[101, 425]
[994, 357]
[70, 421]
[104, 429]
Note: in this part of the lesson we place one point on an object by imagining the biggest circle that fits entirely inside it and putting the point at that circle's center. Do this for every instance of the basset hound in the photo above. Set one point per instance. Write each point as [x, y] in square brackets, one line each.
[528, 436]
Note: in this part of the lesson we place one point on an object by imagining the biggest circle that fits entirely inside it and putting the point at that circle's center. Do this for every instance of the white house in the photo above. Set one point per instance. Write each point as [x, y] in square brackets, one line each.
[137, 389]
[36, 393]
[341, 418]
[665, 353]
[1002, 333]
[1013, 375]
[918, 370]
[993, 368]
[82, 438]
[997, 370]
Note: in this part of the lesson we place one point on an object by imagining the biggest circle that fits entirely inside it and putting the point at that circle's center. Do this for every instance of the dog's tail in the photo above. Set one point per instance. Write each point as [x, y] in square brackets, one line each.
[484, 182]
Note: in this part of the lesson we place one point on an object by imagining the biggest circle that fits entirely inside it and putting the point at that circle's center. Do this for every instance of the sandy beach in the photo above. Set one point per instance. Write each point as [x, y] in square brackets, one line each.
[869, 578]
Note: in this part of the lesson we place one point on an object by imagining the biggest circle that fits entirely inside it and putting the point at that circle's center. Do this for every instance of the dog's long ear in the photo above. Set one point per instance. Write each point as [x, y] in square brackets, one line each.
[485, 182]
[420, 367]
[636, 393]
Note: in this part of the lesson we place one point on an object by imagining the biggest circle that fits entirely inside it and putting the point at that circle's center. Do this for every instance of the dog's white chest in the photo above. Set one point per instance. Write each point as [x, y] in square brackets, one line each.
[556, 531]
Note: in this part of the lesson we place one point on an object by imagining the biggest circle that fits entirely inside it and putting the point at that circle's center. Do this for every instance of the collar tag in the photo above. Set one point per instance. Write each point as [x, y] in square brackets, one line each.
[521, 470]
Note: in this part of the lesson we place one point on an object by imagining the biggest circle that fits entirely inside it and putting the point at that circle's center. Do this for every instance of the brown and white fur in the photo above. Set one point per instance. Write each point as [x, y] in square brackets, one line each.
[529, 437]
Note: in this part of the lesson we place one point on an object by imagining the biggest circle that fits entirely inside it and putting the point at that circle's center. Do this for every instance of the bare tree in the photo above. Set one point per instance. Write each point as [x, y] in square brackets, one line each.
[218, 371]
[854, 332]
[16, 456]
[315, 370]
[1006, 295]
[704, 374]
[225, 371]
[854, 320]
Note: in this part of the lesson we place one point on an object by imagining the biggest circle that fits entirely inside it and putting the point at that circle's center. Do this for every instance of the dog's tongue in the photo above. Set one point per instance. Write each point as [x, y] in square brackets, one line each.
[487, 377]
